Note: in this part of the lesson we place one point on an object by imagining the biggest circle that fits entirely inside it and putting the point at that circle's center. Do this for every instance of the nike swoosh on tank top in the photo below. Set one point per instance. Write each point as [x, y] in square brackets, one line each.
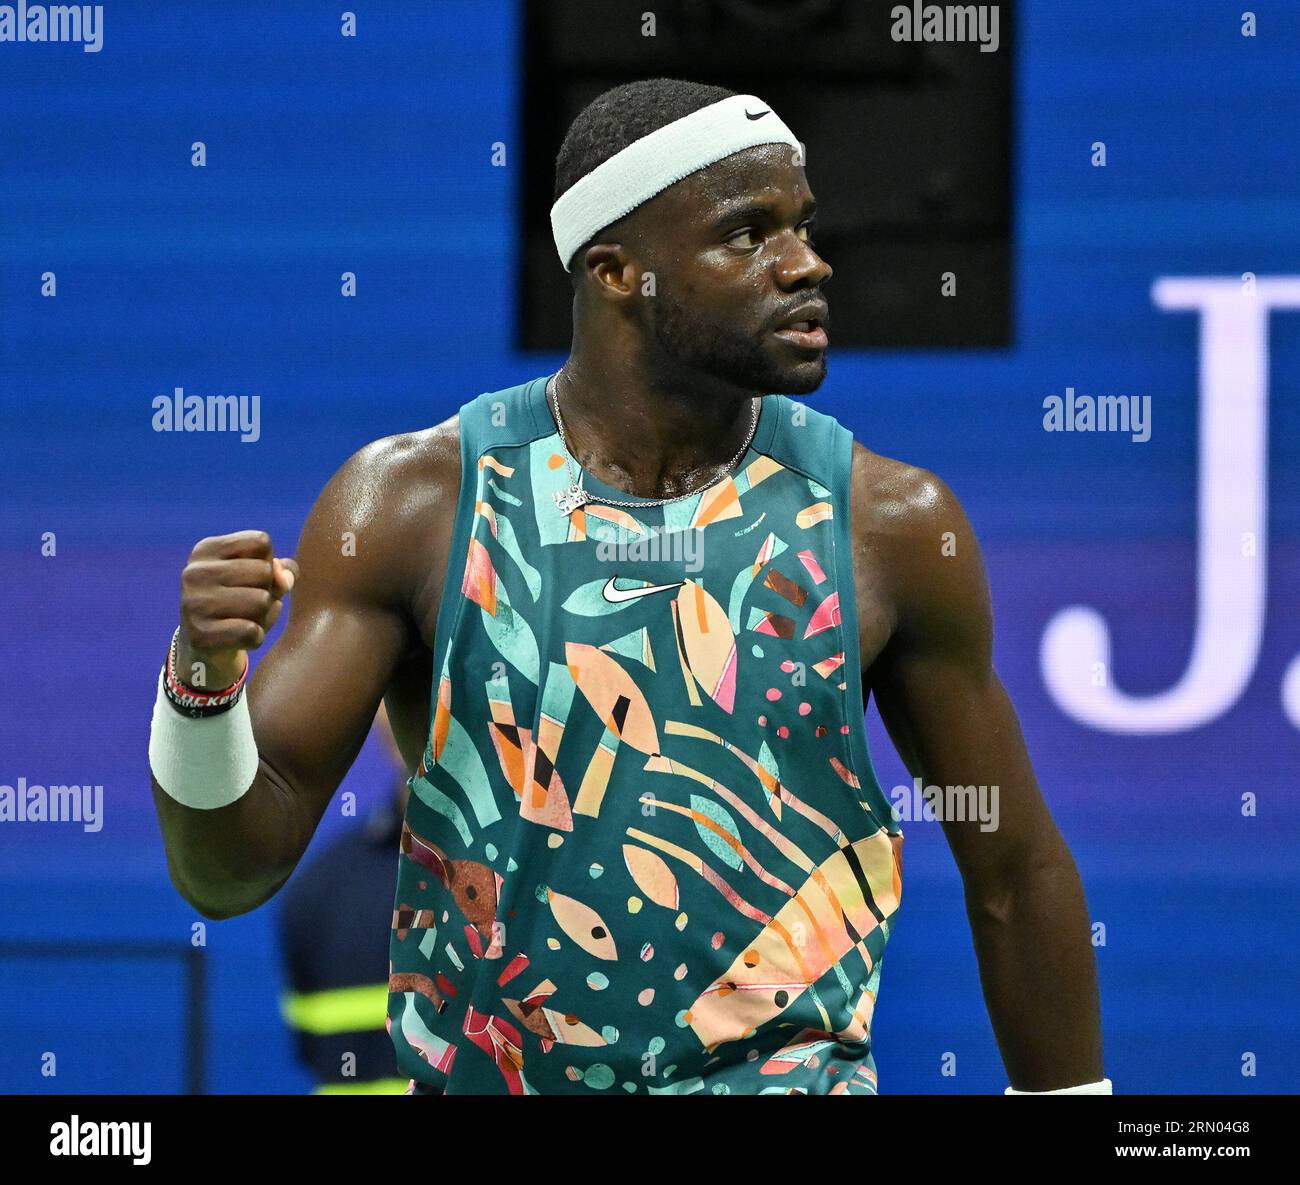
[645, 850]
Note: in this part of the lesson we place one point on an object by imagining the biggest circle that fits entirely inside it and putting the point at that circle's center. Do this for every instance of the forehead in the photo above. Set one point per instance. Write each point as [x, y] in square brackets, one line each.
[765, 174]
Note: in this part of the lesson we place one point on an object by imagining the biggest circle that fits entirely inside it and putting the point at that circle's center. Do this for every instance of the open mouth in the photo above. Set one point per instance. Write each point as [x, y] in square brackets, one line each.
[808, 334]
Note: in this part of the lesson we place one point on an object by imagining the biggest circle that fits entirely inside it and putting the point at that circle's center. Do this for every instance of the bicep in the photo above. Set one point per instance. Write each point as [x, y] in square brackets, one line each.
[313, 696]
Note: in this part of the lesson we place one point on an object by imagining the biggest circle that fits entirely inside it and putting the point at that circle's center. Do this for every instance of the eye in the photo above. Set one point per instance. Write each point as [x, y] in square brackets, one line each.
[746, 232]
[807, 230]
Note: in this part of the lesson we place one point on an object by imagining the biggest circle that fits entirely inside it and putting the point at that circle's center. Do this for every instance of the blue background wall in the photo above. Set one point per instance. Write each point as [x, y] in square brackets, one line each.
[372, 155]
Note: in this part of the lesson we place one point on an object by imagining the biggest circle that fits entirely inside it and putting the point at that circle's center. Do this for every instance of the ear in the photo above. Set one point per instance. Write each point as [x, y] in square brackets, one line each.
[610, 269]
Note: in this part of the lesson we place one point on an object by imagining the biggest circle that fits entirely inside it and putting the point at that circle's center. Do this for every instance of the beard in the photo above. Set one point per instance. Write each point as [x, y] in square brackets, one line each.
[724, 352]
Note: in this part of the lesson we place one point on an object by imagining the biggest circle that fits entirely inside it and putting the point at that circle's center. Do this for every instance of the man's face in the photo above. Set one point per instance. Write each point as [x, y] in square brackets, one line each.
[733, 260]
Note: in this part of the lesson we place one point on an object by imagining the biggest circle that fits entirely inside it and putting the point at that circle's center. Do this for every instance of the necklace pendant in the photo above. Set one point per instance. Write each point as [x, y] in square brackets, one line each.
[568, 500]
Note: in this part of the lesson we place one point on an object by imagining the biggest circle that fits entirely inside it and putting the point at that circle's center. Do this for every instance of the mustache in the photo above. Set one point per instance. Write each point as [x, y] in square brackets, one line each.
[822, 313]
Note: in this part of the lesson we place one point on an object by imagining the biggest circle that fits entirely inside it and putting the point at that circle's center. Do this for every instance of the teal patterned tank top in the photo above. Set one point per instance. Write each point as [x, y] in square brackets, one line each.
[645, 850]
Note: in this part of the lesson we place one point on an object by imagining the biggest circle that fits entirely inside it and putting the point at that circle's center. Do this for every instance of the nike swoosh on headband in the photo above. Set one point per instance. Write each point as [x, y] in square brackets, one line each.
[616, 596]
[760, 115]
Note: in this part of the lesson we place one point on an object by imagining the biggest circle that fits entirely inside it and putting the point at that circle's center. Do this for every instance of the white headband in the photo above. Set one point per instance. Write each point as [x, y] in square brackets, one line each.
[651, 164]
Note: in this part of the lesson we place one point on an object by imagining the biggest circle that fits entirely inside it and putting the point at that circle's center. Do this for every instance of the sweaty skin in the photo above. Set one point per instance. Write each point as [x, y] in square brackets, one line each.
[656, 400]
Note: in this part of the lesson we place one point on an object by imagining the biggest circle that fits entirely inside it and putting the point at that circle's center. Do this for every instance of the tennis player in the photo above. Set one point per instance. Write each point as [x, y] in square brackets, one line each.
[625, 618]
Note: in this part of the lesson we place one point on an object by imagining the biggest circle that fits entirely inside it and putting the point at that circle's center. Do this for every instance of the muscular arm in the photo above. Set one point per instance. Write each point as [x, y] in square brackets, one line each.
[359, 615]
[953, 724]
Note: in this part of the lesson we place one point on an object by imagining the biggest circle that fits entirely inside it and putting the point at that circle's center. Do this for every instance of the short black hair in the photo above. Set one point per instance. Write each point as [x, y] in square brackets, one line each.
[621, 115]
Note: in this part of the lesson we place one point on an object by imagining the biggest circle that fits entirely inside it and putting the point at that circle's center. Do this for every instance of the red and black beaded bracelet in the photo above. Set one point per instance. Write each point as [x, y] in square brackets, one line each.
[198, 704]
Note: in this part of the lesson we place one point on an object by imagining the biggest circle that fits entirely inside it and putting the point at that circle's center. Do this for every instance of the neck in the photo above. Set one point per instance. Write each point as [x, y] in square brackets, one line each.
[651, 439]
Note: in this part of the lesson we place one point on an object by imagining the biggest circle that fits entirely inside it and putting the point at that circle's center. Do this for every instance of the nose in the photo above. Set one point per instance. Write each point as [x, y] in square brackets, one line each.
[801, 267]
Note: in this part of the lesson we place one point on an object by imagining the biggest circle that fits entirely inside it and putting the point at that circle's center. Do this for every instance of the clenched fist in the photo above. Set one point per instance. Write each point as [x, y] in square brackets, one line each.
[231, 593]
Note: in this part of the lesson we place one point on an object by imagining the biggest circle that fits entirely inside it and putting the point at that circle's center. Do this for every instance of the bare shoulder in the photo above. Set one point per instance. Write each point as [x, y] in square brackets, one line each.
[385, 483]
[402, 470]
[911, 530]
[894, 498]
[387, 513]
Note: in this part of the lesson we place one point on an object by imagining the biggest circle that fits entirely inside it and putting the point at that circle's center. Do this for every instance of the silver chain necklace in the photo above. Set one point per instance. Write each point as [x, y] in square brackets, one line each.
[574, 496]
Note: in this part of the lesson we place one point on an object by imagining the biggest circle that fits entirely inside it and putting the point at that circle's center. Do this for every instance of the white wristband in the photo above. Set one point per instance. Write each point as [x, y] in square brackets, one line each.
[1102, 1087]
[205, 763]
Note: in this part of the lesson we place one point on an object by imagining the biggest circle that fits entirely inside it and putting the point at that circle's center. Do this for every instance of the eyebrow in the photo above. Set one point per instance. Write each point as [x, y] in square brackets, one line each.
[759, 213]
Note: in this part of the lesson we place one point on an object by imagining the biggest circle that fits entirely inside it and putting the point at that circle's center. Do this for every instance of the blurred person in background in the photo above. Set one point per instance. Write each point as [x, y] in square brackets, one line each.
[332, 924]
